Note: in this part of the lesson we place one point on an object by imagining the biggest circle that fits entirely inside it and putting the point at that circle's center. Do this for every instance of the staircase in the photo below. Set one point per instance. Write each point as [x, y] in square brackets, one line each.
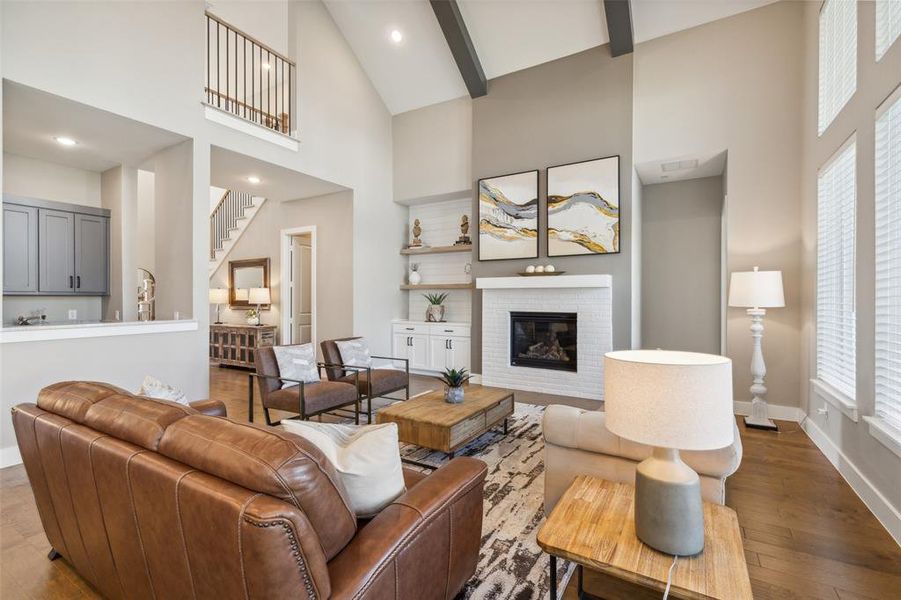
[228, 221]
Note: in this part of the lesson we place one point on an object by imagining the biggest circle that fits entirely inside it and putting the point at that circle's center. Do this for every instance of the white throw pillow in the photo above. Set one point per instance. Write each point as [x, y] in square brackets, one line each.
[355, 352]
[298, 363]
[154, 388]
[367, 458]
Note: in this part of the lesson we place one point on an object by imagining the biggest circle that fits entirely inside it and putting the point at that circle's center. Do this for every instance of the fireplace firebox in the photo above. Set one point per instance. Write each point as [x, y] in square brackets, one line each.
[543, 340]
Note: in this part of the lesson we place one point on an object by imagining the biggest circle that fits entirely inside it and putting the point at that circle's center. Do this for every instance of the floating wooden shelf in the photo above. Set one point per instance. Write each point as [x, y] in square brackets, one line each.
[438, 249]
[437, 286]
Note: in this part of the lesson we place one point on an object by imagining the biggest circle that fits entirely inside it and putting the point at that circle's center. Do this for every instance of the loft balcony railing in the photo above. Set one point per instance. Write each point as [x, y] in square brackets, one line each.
[248, 78]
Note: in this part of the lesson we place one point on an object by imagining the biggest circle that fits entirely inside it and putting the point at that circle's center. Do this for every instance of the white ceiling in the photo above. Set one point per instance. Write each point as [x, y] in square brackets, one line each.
[32, 119]
[230, 170]
[508, 35]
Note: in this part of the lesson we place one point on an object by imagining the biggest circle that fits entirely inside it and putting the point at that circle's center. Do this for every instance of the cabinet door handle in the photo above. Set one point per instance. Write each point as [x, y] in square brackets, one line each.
[448, 331]
[409, 328]
[78, 281]
[409, 341]
[450, 344]
[71, 281]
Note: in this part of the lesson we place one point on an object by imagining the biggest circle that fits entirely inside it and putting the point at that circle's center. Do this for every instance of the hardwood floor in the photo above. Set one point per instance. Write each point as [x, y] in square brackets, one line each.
[806, 534]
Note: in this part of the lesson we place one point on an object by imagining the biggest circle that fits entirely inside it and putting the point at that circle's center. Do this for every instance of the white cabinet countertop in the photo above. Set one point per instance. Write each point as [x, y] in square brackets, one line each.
[41, 333]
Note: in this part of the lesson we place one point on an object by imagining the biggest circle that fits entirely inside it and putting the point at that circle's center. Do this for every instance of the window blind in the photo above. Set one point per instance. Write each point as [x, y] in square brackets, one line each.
[838, 58]
[888, 265]
[888, 25]
[836, 210]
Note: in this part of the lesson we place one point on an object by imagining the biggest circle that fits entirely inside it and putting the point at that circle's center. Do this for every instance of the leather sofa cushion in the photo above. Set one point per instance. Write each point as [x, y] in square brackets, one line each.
[113, 411]
[72, 399]
[580, 429]
[319, 396]
[271, 462]
[383, 381]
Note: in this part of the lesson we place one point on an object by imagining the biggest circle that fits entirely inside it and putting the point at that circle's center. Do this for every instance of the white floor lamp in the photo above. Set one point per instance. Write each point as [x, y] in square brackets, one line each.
[757, 291]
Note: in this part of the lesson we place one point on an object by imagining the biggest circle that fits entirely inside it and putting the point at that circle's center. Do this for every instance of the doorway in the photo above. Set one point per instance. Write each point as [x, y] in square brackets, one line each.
[298, 272]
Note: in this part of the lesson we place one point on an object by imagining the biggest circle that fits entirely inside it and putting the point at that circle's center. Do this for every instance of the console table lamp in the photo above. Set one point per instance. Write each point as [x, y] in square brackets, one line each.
[259, 296]
[218, 296]
[757, 291]
[672, 401]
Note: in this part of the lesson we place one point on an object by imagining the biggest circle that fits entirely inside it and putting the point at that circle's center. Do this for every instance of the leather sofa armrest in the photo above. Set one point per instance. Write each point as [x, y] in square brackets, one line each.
[429, 536]
[212, 408]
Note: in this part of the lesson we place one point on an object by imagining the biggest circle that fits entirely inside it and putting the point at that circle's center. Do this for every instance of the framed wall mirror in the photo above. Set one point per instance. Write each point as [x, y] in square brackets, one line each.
[243, 275]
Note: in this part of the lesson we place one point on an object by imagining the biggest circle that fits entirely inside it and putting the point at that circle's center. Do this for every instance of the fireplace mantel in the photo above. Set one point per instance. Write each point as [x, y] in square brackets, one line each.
[547, 281]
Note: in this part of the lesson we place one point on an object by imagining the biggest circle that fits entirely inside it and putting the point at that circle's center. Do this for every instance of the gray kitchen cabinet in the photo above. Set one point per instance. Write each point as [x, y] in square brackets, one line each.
[91, 254]
[56, 237]
[20, 249]
[54, 248]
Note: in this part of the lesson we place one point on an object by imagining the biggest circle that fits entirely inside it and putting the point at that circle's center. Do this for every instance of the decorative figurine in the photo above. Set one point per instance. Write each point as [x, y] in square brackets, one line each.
[464, 238]
[417, 231]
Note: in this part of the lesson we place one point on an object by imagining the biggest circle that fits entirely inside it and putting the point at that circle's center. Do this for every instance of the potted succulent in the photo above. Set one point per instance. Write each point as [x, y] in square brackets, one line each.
[434, 313]
[454, 380]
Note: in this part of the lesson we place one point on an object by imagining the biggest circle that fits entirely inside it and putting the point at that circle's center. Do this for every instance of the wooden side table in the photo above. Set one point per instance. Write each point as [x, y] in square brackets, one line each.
[593, 526]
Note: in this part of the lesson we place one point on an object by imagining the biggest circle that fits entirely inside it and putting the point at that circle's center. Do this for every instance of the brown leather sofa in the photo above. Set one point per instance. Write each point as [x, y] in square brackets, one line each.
[152, 499]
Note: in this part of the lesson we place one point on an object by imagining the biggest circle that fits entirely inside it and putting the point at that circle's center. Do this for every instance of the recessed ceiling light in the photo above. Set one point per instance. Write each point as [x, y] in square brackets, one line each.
[267, 66]
[396, 36]
[65, 141]
[253, 179]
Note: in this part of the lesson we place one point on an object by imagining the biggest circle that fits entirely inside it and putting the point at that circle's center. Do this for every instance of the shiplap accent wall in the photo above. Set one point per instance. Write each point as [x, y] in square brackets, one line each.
[440, 224]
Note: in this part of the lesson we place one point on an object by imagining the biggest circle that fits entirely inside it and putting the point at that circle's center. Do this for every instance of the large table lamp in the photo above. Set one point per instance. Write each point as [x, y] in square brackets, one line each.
[259, 296]
[672, 401]
[757, 291]
[218, 296]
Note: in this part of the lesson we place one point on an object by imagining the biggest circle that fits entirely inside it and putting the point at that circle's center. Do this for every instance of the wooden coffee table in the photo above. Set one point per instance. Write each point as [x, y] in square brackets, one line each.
[430, 422]
[593, 525]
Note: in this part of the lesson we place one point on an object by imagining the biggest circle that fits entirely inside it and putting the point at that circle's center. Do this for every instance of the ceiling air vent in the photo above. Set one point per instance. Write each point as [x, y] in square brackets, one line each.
[679, 165]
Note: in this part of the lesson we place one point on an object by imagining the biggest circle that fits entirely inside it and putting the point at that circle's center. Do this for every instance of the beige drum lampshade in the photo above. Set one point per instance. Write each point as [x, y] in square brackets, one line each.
[756, 289]
[218, 296]
[259, 296]
[680, 400]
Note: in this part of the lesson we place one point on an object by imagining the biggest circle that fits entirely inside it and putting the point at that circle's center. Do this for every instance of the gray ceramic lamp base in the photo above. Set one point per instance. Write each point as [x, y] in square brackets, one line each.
[669, 514]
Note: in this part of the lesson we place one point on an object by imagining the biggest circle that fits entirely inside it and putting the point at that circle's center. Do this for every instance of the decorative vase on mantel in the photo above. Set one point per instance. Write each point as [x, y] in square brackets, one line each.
[453, 381]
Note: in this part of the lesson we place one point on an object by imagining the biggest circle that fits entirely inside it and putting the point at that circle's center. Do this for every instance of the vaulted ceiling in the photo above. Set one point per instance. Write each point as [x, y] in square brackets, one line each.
[508, 35]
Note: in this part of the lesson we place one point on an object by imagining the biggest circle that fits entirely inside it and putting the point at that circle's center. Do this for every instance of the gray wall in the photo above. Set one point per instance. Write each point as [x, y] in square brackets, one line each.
[681, 225]
[572, 109]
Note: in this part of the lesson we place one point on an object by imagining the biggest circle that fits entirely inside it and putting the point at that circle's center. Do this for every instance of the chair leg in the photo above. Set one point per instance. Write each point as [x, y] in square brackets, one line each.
[357, 411]
[407, 390]
[53, 555]
[369, 409]
[266, 414]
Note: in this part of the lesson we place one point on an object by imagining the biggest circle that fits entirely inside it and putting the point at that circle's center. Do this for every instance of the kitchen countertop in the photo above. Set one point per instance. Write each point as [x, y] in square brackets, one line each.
[87, 329]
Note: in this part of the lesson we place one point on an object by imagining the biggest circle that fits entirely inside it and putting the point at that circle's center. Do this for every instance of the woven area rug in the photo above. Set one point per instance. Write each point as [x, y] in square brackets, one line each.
[511, 565]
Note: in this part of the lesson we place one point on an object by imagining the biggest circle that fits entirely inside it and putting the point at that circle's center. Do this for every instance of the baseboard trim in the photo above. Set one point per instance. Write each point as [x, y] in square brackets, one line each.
[774, 411]
[10, 457]
[884, 512]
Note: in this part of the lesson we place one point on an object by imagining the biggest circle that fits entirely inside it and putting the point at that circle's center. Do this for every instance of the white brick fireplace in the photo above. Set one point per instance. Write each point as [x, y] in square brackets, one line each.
[589, 296]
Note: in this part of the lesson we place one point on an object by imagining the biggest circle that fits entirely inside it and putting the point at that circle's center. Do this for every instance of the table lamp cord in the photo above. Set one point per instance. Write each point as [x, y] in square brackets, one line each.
[669, 577]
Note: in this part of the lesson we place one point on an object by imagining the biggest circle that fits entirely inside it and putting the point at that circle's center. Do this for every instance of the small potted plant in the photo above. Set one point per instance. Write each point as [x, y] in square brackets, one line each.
[454, 380]
[250, 315]
[434, 313]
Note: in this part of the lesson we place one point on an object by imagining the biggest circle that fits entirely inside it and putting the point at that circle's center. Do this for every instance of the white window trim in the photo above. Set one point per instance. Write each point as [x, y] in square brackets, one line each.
[847, 406]
[885, 434]
[838, 398]
[879, 428]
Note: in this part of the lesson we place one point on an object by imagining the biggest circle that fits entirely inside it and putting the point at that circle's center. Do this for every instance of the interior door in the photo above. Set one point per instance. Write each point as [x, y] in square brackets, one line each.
[91, 254]
[57, 251]
[301, 295]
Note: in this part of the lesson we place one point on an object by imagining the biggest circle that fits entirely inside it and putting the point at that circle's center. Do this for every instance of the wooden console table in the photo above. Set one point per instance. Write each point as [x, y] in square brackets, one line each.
[593, 525]
[233, 345]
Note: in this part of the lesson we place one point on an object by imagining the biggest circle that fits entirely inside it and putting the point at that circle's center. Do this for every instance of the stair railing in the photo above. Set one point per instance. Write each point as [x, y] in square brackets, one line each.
[224, 218]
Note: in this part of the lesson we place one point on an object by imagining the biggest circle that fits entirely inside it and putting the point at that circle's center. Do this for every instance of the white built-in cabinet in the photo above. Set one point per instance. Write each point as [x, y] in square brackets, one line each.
[432, 346]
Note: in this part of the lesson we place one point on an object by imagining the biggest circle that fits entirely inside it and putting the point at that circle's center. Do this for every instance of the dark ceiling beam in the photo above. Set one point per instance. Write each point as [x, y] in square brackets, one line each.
[619, 26]
[451, 21]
